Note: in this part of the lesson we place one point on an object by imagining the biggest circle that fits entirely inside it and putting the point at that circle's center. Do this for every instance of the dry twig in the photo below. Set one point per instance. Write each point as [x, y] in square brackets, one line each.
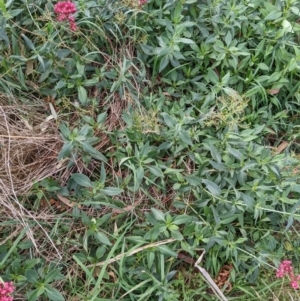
[209, 280]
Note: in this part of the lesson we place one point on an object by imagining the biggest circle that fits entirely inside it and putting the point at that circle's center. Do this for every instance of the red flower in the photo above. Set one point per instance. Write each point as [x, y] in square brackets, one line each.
[6, 289]
[286, 269]
[64, 11]
[142, 2]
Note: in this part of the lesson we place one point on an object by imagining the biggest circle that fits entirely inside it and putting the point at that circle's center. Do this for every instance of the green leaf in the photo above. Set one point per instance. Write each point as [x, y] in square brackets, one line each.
[54, 294]
[112, 191]
[212, 187]
[295, 187]
[160, 216]
[41, 60]
[236, 153]
[82, 95]
[181, 219]
[273, 15]
[32, 276]
[91, 82]
[3, 35]
[101, 118]
[256, 89]
[193, 180]
[186, 41]
[101, 237]
[33, 295]
[163, 63]
[164, 249]
[2, 6]
[65, 151]
[215, 154]
[185, 138]
[93, 152]
[176, 235]
[212, 76]
[102, 220]
[295, 10]
[177, 12]
[65, 131]
[54, 275]
[155, 171]
[28, 43]
[169, 121]
[82, 180]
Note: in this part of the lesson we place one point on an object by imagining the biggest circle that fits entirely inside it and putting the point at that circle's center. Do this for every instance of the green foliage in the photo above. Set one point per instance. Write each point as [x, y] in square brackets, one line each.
[208, 90]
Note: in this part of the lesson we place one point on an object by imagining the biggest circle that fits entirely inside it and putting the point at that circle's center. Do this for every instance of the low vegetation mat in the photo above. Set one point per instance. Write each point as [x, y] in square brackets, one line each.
[149, 150]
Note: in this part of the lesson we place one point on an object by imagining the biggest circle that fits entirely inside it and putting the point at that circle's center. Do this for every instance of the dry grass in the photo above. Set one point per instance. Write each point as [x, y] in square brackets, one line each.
[29, 144]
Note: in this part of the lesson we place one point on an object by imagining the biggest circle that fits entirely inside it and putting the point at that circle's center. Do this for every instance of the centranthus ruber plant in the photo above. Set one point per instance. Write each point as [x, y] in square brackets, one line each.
[286, 269]
[6, 289]
[64, 11]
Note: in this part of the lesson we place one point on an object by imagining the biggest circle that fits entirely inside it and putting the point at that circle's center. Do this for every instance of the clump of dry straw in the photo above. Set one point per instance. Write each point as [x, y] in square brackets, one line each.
[29, 144]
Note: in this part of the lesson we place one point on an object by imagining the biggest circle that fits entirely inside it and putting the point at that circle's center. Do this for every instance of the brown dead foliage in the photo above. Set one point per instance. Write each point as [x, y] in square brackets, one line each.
[29, 145]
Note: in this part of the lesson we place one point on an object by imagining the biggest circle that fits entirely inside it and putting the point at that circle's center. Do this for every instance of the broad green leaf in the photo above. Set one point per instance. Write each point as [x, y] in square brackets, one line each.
[101, 237]
[112, 191]
[170, 122]
[288, 27]
[228, 220]
[65, 131]
[2, 6]
[212, 187]
[160, 216]
[273, 15]
[102, 220]
[28, 43]
[236, 153]
[163, 63]
[53, 294]
[139, 176]
[32, 276]
[295, 10]
[82, 180]
[33, 295]
[186, 41]
[181, 219]
[150, 259]
[3, 34]
[54, 275]
[193, 180]
[215, 154]
[212, 76]
[101, 118]
[295, 187]
[155, 171]
[166, 250]
[176, 235]
[177, 12]
[41, 60]
[185, 138]
[256, 89]
[82, 95]
[93, 152]
[172, 171]
[65, 151]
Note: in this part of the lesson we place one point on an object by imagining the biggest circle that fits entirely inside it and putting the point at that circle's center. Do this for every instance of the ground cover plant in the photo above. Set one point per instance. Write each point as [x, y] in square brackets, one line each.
[138, 137]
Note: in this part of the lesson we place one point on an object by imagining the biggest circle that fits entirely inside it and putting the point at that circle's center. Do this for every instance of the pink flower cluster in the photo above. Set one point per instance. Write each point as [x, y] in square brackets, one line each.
[286, 269]
[65, 11]
[142, 2]
[6, 289]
